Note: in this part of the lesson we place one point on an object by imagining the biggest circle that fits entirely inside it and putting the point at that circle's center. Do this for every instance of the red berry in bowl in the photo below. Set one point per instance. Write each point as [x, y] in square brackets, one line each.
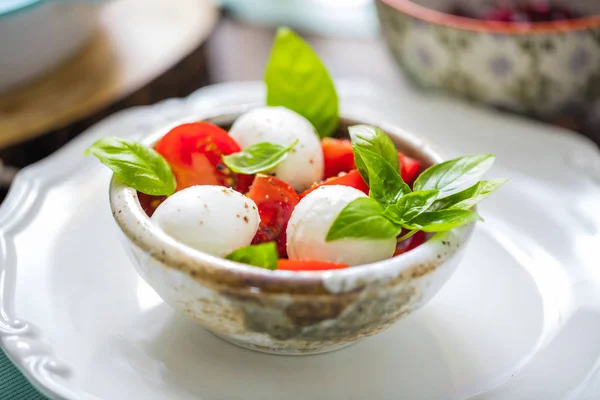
[518, 11]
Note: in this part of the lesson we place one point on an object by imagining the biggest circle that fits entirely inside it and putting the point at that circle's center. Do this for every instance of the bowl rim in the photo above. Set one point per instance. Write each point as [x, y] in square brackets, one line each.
[150, 239]
[508, 28]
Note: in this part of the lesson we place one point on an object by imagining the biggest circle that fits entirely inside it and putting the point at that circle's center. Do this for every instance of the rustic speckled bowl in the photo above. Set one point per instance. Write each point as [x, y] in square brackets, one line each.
[539, 69]
[286, 312]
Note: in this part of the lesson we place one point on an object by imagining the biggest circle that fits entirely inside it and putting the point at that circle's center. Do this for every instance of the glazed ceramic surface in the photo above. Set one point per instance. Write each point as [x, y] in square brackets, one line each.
[519, 319]
[38, 35]
[283, 312]
[534, 70]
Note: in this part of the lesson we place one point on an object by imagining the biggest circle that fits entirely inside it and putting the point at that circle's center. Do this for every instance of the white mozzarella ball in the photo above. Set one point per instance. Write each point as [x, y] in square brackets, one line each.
[311, 220]
[213, 219]
[304, 163]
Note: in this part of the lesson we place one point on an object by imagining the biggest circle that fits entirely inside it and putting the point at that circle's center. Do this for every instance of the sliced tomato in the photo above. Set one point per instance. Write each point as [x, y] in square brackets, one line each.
[150, 203]
[409, 168]
[352, 179]
[194, 153]
[337, 156]
[308, 265]
[412, 242]
[275, 200]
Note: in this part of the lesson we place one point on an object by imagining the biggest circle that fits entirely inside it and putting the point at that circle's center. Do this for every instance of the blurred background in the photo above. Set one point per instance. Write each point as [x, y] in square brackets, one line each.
[66, 65]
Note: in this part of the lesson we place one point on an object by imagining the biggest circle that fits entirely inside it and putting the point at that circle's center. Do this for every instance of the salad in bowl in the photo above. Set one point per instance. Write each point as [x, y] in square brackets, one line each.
[291, 228]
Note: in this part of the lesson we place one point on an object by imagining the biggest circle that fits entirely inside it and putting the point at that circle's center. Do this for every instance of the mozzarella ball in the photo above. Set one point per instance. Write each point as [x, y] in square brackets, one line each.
[213, 219]
[311, 220]
[304, 163]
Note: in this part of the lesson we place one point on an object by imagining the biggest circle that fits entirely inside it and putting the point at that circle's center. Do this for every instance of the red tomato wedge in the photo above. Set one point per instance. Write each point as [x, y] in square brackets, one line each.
[337, 156]
[275, 200]
[412, 242]
[308, 265]
[194, 153]
[409, 168]
[150, 203]
[352, 179]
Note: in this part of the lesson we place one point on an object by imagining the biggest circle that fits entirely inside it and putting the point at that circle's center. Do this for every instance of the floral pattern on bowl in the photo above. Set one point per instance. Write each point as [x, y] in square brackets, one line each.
[537, 73]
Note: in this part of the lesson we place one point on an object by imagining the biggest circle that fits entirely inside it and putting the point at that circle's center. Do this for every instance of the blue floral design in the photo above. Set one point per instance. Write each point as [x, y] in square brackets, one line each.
[500, 66]
[424, 55]
[419, 24]
[580, 59]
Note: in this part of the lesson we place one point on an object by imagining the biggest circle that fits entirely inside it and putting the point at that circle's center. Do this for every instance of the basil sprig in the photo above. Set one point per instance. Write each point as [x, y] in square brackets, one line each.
[443, 220]
[297, 79]
[454, 176]
[468, 198]
[372, 139]
[138, 166]
[385, 183]
[411, 206]
[442, 197]
[360, 216]
[262, 255]
[257, 158]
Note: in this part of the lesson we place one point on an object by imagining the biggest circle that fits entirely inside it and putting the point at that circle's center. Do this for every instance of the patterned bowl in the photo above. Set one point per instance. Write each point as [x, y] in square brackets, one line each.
[285, 312]
[539, 69]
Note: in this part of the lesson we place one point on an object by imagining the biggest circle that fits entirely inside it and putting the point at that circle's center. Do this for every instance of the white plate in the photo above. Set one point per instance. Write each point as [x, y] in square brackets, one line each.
[519, 320]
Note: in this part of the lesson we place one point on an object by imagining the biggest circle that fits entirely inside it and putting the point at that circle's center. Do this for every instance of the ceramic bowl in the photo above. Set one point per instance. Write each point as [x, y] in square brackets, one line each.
[38, 35]
[286, 312]
[538, 69]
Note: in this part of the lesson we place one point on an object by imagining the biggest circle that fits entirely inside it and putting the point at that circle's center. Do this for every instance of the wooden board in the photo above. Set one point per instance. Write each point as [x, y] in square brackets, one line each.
[137, 41]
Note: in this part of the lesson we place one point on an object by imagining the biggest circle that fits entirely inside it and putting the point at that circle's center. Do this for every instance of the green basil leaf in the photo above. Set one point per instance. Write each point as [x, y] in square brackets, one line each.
[259, 157]
[373, 139]
[445, 220]
[138, 166]
[262, 255]
[467, 199]
[385, 183]
[410, 206]
[297, 79]
[362, 219]
[454, 176]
